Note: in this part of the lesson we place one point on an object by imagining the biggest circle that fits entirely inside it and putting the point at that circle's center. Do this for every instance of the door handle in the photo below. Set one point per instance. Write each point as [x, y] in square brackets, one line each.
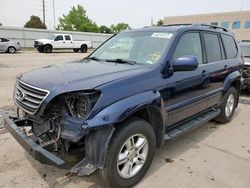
[203, 73]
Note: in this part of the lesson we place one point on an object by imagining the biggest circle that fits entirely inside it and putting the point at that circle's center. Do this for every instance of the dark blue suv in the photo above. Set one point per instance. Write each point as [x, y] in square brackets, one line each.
[108, 112]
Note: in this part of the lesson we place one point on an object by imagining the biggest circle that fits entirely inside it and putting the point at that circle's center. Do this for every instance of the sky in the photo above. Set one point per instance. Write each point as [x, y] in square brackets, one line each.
[136, 13]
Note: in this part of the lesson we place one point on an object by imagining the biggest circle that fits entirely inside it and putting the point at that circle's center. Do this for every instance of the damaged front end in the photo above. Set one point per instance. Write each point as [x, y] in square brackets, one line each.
[60, 137]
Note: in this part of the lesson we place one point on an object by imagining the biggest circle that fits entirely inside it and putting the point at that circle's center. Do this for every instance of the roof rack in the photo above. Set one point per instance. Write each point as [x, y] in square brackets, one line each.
[199, 25]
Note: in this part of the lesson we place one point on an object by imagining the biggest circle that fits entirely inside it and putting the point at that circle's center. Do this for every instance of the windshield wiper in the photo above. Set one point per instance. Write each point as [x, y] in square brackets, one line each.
[122, 61]
[93, 58]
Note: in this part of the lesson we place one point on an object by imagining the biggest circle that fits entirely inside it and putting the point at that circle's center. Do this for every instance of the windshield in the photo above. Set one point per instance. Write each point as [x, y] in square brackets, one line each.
[140, 47]
[245, 49]
[51, 37]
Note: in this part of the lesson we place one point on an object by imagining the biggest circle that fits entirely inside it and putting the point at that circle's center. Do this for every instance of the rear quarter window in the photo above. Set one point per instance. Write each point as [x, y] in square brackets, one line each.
[230, 46]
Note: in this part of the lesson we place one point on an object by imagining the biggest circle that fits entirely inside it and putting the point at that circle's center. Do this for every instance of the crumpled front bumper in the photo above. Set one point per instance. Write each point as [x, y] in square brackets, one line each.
[31, 146]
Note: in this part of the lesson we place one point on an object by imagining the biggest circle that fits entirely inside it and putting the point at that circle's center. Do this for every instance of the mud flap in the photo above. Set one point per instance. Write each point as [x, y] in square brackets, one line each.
[96, 149]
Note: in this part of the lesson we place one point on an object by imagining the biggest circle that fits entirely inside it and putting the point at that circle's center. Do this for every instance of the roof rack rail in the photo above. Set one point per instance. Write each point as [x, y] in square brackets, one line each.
[202, 25]
[211, 26]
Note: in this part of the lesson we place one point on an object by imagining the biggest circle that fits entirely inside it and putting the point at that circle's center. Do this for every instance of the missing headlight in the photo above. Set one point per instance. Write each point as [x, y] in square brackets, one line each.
[79, 105]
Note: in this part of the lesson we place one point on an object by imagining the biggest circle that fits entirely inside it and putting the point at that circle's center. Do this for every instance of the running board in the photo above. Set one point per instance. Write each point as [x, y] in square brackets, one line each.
[192, 124]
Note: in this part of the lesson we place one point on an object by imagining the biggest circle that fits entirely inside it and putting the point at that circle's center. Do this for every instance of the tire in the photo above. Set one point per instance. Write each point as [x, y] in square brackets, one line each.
[48, 49]
[228, 106]
[84, 48]
[113, 175]
[11, 50]
[40, 49]
[75, 50]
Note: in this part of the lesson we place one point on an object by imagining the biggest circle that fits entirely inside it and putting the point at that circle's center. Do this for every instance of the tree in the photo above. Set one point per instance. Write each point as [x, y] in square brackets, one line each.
[104, 29]
[160, 22]
[77, 20]
[119, 27]
[1, 24]
[35, 22]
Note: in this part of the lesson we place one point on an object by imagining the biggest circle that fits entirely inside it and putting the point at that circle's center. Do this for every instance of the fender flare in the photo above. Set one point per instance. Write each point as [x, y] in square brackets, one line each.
[230, 79]
[120, 110]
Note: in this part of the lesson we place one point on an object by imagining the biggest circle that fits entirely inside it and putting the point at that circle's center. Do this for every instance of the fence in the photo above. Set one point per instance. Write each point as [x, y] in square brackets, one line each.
[27, 36]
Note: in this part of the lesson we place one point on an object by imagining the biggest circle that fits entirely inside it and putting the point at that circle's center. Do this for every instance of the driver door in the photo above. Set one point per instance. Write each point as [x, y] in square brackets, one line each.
[59, 42]
[186, 90]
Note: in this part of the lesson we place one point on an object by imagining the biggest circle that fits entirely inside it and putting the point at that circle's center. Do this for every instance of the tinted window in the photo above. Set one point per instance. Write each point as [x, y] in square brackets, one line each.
[59, 37]
[189, 44]
[247, 25]
[67, 37]
[236, 25]
[230, 46]
[224, 25]
[213, 48]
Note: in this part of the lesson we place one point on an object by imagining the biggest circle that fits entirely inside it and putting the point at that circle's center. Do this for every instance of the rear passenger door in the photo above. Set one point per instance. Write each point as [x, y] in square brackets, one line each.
[68, 42]
[216, 67]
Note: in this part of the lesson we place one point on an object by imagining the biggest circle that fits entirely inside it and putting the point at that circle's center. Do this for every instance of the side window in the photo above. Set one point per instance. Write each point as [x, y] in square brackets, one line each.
[230, 46]
[213, 48]
[59, 37]
[1, 40]
[189, 44]
[67, 37]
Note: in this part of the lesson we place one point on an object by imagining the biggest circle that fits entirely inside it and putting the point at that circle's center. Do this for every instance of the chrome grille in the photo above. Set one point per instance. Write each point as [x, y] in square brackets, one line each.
[29, 98]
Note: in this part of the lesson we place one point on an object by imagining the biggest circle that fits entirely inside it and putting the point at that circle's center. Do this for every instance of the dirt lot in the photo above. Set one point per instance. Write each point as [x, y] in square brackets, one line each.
[212, 156]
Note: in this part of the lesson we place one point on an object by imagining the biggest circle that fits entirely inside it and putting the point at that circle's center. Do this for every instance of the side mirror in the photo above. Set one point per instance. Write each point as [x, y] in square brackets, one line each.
[185, 63]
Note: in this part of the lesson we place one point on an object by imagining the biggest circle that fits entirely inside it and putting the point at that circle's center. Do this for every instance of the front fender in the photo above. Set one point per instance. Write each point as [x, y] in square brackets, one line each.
[119, 111]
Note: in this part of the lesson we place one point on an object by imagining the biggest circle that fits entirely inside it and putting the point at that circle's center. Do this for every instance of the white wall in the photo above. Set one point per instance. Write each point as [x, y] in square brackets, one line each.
[27, 36]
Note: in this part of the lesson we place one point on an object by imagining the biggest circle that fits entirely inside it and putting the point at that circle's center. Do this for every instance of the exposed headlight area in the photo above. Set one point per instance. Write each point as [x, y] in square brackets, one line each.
[79, 105]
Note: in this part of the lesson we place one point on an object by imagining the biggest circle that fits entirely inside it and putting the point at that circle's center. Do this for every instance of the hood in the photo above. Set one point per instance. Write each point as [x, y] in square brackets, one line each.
[43, 40]
[80, 75]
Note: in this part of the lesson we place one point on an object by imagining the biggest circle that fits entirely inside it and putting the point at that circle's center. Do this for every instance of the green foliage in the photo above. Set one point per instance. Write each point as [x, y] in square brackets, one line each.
[104, 29]
[77, 20]
[35, 22]
[119, 27]
[160, 23]
[1, 24]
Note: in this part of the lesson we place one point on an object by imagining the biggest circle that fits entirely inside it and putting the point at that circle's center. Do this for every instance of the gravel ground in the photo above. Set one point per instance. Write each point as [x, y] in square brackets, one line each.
[213, 155]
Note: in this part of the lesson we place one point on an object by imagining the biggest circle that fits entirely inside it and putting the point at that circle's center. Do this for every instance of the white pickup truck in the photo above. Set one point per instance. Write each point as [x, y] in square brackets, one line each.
[61, 41]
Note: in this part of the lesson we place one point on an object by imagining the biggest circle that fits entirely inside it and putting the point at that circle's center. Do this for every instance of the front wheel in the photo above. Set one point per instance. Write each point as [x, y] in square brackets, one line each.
[48, 49]
[228, 106]
[130, 154]
[11, 50]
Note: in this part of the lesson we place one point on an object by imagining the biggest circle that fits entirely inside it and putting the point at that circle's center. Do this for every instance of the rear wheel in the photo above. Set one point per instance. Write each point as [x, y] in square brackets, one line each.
[84, 48]
[11, 49]
[48, 49]
[75, 50]
[130, 154]
[228, 106]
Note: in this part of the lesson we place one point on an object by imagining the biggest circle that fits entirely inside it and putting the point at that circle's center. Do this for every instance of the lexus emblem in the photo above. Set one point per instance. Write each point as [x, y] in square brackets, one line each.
[20, 95]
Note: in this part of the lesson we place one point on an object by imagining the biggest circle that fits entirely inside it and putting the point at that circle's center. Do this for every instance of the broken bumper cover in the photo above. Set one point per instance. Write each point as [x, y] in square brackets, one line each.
[31, 146]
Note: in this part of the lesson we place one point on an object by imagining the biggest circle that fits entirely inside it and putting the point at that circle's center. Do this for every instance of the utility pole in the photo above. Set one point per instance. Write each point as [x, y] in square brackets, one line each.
[54, 14]
[44, 11]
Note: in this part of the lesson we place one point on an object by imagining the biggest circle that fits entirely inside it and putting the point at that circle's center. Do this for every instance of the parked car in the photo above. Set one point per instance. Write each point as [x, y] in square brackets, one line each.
[61, 41]
[245, 48]
[111, 110]
[9, 46]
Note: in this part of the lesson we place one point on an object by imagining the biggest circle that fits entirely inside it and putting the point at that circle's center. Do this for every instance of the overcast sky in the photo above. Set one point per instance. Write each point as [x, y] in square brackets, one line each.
[135, 13]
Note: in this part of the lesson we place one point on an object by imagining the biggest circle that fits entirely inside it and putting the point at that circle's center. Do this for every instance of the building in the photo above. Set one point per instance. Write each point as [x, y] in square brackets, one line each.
[236, 22]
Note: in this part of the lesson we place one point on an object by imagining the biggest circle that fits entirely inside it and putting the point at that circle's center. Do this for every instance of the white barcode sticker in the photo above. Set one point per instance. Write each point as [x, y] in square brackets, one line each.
[162, 35]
